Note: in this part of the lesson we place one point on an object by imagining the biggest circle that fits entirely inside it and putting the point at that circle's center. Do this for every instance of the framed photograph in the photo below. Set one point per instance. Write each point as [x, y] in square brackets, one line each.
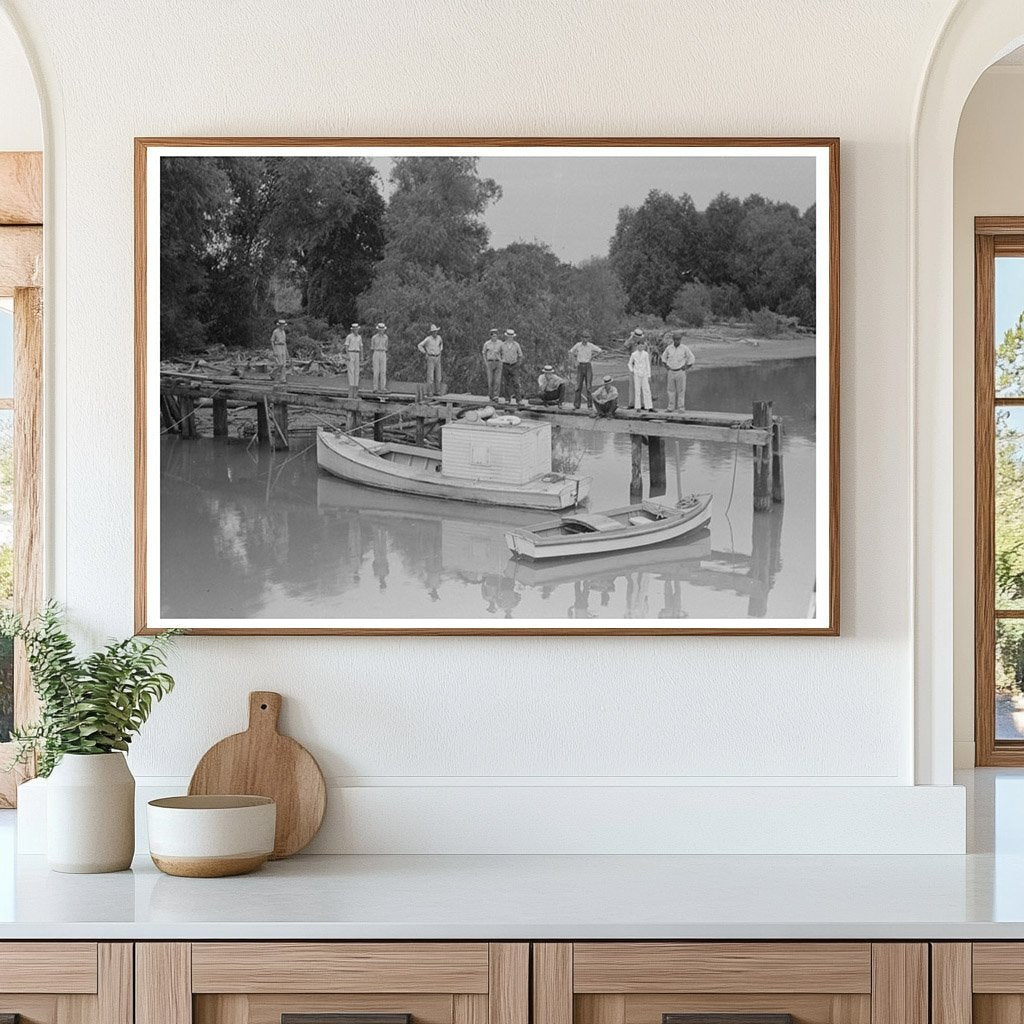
[487, 386]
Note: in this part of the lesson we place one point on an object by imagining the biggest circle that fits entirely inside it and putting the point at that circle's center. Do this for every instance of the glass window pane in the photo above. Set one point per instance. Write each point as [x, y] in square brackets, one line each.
[6, 567]
[1009, 512]
[1009, 679]
[6, 352]
[1009, 324]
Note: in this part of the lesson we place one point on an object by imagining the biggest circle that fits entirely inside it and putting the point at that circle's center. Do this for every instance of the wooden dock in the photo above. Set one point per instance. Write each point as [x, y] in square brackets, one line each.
[409, 408]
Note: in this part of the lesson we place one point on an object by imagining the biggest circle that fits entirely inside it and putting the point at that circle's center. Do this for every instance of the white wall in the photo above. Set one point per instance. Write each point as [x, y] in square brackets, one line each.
[21, 127]
[438, 715]
[987, 181]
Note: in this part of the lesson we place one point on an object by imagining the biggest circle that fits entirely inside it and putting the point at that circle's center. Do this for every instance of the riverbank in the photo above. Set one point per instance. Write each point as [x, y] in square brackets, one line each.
[720, 346]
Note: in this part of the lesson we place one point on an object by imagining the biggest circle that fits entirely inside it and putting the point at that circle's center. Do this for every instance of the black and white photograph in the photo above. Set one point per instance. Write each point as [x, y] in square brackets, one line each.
[487, 387]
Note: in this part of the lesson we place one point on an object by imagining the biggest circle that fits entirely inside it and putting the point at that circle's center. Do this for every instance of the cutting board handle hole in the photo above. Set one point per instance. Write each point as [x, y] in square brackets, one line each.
[263, 707]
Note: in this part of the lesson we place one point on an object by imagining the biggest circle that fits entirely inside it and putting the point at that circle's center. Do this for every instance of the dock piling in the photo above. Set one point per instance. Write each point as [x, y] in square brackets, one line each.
[262, 423]
[778, 480]
[762, 417]
[636, 480]
[656, 460]
[220, 417]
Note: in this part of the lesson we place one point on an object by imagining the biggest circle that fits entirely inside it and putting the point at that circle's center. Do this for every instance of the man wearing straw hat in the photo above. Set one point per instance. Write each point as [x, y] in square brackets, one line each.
[432, 346]
[379, 356]
[606, 398]
[354, 355]
[511, 358]
[279, 347]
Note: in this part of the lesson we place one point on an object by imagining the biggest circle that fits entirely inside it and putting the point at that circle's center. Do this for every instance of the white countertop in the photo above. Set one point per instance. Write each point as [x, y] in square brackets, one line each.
[978, 896]
[516, 897]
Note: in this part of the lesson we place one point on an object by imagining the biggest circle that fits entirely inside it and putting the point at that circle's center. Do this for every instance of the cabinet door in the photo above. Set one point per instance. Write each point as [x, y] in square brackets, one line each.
[332, 983]
[730, 983]
[980, 982]
[65, 983]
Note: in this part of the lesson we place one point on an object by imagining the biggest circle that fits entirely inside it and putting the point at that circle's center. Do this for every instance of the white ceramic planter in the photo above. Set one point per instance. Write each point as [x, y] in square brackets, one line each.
[90, 814]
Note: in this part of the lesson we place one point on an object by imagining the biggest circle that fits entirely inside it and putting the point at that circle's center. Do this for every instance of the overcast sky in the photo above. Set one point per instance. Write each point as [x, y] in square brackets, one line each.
[572, 202]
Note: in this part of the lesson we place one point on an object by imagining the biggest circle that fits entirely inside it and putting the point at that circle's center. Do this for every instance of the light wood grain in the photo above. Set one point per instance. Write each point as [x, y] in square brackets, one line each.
[899, 990]
[721, 967]
[998, 967]
[76, 1009]
[951, 983]
[21, 258]
[21, 188]
[998, 1009]
[262, 762]
[267, 1008]
[228, 1009]
[115, 995]
[984, 502]
[34, 1008]
[603, 1009]
[552, 983]
[163, 983]
[805, 1008]
[467, 1009]
[143, 613]
[508, 991]
[28, 483]
[339, 967]
[66, 967]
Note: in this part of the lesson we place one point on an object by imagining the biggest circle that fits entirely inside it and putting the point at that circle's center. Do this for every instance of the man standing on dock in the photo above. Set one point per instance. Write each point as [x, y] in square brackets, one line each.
[492, 364]
[354, 355]
[678, 358]
[279, 347]
[379, 355]
[584, 351]
[432, 346]
[511, 358]
[640, 366]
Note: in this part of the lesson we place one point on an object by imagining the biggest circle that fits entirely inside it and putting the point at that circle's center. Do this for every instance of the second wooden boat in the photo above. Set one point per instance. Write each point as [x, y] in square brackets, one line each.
[408, 469]
[621, 529]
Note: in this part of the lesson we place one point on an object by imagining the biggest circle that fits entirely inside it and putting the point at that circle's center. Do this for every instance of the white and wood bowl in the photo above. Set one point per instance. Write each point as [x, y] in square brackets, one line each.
[211, 836]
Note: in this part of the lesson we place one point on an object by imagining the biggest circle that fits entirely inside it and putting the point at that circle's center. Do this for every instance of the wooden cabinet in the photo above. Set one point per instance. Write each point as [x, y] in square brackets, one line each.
[309, 982]
[978, 983]
[66, 982]
[752, 982]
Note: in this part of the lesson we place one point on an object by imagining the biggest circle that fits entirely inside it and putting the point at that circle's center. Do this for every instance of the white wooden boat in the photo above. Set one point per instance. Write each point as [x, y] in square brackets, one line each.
[408, 469]
[621, 529]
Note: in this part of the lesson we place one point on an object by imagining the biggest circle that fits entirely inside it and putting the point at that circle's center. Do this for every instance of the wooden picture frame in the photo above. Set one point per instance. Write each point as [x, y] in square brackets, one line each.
[823, 608]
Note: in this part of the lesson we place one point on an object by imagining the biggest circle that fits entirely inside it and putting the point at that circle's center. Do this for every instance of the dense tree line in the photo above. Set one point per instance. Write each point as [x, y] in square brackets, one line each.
[736, 255]
[233, 228]
[229, 225]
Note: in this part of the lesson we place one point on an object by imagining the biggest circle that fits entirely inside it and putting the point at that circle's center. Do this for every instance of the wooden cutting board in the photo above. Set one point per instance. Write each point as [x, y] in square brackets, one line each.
[262, 762]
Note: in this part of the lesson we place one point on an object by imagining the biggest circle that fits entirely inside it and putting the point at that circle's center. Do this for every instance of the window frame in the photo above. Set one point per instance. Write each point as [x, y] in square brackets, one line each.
[993, 237]
[21, 273]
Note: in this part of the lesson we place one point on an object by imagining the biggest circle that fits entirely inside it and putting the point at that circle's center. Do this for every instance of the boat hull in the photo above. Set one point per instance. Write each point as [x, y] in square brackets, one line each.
[360, 461]
[525, 544]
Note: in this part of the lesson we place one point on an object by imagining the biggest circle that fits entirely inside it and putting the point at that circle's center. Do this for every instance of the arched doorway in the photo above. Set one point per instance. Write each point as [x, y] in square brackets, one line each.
[976, 34]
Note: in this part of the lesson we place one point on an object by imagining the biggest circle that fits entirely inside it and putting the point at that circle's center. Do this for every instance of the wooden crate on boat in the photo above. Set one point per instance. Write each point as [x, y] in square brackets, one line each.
[510, 455]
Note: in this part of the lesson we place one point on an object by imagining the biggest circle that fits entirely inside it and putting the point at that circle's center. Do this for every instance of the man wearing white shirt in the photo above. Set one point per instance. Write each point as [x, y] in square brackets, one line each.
[354, 355]
[432, 346]
[678, 358]
[640, 366]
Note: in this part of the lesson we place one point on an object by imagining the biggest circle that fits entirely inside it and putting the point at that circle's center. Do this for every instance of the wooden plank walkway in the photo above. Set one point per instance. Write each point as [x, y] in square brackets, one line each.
[410, 407]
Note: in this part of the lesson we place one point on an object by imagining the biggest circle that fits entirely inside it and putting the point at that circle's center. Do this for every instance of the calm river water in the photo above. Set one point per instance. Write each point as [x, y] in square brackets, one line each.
[253, 533]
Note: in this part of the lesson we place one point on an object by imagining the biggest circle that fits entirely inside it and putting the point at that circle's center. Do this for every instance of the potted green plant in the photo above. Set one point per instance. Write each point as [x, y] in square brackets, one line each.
[90, 708]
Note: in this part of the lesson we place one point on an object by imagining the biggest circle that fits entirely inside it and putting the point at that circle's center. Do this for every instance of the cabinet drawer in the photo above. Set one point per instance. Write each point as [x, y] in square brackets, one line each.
[730, 983]
[66, 967]
[634, 967]
[332, 983]
[66, 982]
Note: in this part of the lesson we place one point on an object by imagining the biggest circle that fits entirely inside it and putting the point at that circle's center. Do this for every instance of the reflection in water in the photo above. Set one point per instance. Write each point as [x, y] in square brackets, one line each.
[250, 533]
